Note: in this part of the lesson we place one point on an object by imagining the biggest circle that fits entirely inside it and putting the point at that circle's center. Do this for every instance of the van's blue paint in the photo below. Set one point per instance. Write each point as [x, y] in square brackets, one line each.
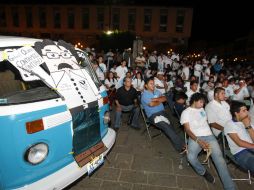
[103, 109]
[16, 172]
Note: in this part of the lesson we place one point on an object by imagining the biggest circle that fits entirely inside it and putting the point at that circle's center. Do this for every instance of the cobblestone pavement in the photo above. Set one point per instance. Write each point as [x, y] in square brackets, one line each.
[137, 163]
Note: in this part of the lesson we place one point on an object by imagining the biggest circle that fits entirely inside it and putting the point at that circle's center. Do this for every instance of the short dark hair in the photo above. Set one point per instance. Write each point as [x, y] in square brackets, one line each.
[148, 79]
[196, 97]
[218, 90]
[124, 79]
[193, 82]
[235, 107]
[180, 95]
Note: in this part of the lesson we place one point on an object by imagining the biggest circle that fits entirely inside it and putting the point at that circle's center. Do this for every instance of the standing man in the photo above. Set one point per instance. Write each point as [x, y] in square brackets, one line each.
[126, 100]
[200, 135]
[218, 111]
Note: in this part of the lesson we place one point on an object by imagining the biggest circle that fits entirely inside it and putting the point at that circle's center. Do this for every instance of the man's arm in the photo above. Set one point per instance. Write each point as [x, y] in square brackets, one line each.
[157, 101]
[201, 142]
[240, 142]
[247, 123]
[216, 126]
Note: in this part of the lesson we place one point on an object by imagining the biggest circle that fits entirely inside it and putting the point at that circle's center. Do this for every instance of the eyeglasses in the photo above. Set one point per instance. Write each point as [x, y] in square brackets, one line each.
[55, 55]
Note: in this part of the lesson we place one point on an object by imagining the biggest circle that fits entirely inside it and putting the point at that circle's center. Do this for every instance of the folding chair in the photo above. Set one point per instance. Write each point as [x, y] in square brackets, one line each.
[147, 123]
[230, 158]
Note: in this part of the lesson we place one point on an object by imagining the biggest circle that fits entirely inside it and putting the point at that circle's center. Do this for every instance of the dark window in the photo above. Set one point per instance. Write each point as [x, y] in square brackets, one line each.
[14, 90]
[180, 15]
[3, 22]
[132, 19]
[100, 18]
[71, 19]
[85, 18]
[147, 20]
[15, 16]
[57, 18]
[29, 17]
[163, 20]
[42, 17]
[116, 19]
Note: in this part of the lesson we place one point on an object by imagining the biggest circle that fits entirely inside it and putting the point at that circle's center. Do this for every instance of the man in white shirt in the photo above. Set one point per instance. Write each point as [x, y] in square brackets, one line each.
[241, 92]
[240, 136]
[193, 89]
[218, 111]
[121, 70]
[160, 83]
[197, 70]
[186, 72]
[200, 135]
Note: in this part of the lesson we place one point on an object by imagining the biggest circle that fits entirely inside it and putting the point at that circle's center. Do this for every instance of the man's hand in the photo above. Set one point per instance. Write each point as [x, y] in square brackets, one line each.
[246, 121]
[204, 145]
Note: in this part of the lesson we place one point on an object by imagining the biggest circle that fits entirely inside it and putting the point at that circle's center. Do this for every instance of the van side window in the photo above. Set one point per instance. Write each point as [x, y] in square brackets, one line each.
[13, 90]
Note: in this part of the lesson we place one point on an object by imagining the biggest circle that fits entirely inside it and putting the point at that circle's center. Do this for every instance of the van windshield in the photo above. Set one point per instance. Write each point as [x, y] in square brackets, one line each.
[86, 64]
[13, 90]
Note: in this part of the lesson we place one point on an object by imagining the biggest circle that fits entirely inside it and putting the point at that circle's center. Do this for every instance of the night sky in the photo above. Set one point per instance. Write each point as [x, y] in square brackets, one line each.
[213, 20]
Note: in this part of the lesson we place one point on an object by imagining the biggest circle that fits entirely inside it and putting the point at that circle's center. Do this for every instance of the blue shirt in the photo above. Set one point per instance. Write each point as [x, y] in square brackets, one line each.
[146, 99]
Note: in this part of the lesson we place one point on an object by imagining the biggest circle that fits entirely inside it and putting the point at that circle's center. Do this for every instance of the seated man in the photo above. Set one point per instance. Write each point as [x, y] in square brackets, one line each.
[218, 111]
[180, 102]
[200, 135]
[240, 136]
[152, 100]
[126, 100]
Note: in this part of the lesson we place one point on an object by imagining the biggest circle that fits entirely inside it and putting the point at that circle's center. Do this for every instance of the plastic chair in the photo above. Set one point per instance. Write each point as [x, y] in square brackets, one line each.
[229, 156]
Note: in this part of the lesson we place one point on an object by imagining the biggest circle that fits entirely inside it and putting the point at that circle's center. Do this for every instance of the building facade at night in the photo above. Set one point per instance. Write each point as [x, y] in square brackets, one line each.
[156, 26]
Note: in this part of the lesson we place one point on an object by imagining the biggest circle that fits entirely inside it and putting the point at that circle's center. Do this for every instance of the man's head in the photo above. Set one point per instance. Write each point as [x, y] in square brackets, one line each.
[180, 98]
[197, 100]
[219, 94]
[194, 86]
[238, 110]
[127, 82]
[149, 84]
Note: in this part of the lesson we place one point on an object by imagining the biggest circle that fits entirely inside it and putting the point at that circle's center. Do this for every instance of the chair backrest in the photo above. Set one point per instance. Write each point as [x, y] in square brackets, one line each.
[226, 150]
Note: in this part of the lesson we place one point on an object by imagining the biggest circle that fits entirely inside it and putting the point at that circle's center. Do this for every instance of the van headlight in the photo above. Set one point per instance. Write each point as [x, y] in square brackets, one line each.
[36, 153]
[106, 118]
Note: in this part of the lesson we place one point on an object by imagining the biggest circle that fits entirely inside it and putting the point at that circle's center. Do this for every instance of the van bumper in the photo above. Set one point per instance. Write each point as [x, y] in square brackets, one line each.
[60, 179]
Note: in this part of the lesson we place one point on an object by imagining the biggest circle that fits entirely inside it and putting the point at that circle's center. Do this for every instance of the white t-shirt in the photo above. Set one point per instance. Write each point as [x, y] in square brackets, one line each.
[207, 74]
[186, 72]
[251, 114]
[218, 113]
[121, 71]
[159, 83]
[229, 91]
[239, 128]
[103, 67]
[197, 70]
[197, 120]
[111, 82]
[138, 84]
[242, 94]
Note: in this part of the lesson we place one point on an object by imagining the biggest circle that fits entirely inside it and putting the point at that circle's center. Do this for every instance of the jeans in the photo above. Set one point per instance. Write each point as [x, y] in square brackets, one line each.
[133, 117]
[169, 131]
[220, 164]
[245, 159]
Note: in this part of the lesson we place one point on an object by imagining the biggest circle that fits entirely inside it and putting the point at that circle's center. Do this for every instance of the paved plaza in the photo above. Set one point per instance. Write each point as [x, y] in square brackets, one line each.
[137, 163]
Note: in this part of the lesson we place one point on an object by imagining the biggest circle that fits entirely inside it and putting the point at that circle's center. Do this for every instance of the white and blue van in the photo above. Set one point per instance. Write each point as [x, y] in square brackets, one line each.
[54, 115]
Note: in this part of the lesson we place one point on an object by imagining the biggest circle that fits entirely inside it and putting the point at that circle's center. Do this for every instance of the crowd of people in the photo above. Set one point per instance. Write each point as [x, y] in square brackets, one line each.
[210, 97]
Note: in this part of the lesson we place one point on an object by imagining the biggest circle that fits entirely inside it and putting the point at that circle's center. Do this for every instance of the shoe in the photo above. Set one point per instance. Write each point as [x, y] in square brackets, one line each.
[136, 128]
[116, 129]
[209, 177]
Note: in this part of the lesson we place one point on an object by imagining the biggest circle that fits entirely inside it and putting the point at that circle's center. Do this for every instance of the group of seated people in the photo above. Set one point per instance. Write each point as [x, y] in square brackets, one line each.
[202, 123]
